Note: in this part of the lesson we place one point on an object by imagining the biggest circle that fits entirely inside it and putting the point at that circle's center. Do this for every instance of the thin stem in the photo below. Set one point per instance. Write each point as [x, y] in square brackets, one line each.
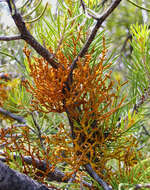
[10, 38]
[141, 101]
[83, 5]
[39, 131]
[133, 3]
[37, 18]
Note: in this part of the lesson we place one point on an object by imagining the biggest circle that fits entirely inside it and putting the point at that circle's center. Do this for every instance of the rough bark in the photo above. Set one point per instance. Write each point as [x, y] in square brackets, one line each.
[13, 180]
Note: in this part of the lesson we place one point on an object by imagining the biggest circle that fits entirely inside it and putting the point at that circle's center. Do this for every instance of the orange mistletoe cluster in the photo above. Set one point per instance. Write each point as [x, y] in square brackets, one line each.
[90, 87]
[48, 83]
[90, 101]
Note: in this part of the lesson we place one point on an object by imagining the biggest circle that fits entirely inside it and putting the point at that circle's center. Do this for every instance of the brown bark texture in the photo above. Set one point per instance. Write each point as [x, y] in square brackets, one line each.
[14, 180]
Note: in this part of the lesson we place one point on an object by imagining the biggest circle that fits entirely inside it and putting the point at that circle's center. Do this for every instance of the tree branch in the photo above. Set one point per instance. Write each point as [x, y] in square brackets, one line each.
[55, 175]
[26, 35]
[88, 11]
[83, 5]
[13, 116]
[141, 186]
[13, 180]
[10, 38]
[85, 49]
[94, 175]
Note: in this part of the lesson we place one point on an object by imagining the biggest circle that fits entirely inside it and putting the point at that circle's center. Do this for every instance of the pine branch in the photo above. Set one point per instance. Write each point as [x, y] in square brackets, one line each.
[26, 35]
[94, 175]
[55, 175]
[14, 180]
[11, 115]
[10, 38]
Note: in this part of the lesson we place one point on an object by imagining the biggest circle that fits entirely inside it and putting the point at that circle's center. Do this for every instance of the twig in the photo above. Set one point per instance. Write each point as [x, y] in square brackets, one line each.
[39, 131]
[10, 38]
[53, 175]
[88, 11]
[83, 5]
[17, 118]
[142, 100]
[145, 130]
[26, 35]
[70, 181]
[133, 3]
[94, 175]
[139, 186]
[13, 116]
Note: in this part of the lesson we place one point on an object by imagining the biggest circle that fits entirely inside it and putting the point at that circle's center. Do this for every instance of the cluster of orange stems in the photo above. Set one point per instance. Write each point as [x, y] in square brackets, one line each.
[91, 102]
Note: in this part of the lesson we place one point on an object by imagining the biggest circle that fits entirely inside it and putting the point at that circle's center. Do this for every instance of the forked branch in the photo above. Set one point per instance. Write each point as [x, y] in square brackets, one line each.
[26, 35]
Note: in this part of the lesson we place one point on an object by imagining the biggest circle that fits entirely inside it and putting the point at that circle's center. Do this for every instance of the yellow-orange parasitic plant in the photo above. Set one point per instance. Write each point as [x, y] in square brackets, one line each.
[90, 102]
